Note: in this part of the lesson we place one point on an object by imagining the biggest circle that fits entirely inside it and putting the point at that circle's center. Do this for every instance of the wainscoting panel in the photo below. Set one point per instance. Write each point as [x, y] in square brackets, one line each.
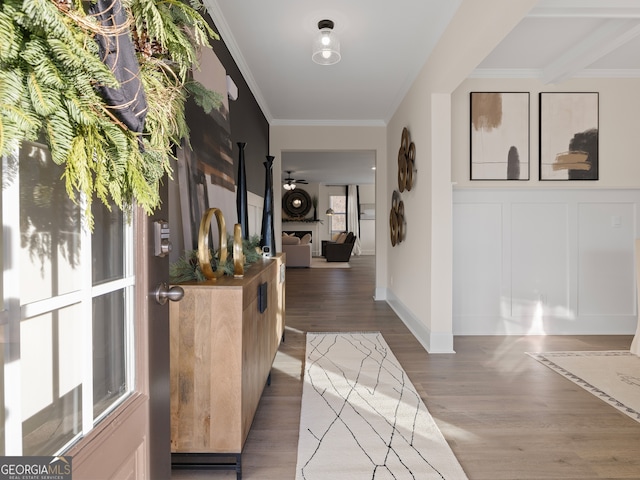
[534, 261]
[539, 260]
[605, 231]
[477, 266]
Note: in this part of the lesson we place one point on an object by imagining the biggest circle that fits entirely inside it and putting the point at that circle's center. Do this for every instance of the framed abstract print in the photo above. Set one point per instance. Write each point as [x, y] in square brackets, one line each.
[499, 136]
[569, 136]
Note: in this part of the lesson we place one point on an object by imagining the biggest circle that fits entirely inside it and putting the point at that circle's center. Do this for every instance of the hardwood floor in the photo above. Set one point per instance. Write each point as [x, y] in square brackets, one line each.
[505, 415]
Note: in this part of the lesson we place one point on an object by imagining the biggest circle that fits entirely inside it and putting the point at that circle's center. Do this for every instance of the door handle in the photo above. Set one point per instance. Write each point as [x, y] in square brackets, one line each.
[162, 293]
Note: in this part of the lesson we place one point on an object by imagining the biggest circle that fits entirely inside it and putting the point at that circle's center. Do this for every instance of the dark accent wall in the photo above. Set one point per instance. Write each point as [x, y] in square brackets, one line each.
[248, 123]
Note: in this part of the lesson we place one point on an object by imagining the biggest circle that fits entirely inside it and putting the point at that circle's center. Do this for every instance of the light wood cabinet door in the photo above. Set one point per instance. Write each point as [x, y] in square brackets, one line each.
[222, 349]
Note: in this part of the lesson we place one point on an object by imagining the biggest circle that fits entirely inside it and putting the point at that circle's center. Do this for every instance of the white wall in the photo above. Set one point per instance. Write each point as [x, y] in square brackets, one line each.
[255, 204]
[544, 261]
[368, 225]
[416, 277]
[323, 228]
[420, 268]
[619, 141]
[284, 138]
[367, 194]
[552, 257]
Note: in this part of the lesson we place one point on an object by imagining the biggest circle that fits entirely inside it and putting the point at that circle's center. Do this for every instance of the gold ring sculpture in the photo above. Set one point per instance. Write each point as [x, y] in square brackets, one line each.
[238, 255]
[204, 254]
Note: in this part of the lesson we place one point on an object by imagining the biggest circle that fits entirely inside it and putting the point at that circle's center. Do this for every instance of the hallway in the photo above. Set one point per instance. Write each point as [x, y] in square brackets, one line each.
[505, 415]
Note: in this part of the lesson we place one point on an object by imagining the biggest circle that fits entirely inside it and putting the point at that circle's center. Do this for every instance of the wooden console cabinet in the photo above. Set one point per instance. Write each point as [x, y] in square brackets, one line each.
[222, 348]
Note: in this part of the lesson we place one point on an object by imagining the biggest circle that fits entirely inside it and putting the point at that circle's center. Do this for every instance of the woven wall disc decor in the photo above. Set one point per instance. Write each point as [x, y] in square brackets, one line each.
[296, 203]
[406, 169]
[396, 219]
[406, 161]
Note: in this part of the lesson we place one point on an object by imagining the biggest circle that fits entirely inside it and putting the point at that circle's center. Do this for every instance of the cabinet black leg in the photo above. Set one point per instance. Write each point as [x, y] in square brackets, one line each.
[208, 461]
[238, 467]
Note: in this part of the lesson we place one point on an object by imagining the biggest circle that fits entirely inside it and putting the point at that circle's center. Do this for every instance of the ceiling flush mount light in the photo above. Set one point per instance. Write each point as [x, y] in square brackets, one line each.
[326, 47]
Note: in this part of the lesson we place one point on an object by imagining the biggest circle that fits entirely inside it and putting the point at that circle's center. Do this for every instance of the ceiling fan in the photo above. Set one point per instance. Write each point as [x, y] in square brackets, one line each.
[290, 182]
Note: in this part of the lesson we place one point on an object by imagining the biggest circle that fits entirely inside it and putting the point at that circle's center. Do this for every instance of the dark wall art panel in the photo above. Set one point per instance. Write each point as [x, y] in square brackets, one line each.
[247, 121]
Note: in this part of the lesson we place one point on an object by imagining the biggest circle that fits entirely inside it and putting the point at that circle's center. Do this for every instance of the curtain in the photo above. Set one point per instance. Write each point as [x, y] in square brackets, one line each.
[353, 217]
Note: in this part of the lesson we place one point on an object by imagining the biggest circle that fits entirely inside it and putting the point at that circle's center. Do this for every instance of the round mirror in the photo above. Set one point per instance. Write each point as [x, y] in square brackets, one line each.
[296, 203]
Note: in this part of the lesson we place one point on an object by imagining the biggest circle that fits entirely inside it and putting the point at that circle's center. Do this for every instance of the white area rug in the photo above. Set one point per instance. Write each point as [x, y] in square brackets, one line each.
[321, 262]
[362, 418]
[613, 376]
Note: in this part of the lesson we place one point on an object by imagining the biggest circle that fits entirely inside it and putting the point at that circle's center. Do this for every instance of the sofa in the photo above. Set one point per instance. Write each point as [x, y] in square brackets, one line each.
[297, 250]
[340, 250]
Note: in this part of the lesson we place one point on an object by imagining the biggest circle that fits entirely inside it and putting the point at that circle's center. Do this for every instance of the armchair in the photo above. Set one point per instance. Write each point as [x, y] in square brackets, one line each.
[340, 251]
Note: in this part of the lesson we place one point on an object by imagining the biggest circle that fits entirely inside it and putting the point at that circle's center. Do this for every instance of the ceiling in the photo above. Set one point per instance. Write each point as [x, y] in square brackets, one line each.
[385, 44]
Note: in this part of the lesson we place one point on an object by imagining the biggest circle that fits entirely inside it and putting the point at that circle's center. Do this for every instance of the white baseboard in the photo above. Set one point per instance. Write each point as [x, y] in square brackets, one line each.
[432, 342]
[611, 324]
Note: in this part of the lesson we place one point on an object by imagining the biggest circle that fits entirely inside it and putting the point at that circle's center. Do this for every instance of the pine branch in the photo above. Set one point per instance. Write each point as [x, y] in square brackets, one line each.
[50, 68]
[203, 97]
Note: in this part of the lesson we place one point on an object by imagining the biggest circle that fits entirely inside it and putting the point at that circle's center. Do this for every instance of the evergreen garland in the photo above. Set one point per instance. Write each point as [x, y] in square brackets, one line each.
[187, 268]
[49, 70]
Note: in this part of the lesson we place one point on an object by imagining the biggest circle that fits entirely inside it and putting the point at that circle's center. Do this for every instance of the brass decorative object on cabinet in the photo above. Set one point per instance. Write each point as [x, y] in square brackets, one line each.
[204, 254]
[238, 255]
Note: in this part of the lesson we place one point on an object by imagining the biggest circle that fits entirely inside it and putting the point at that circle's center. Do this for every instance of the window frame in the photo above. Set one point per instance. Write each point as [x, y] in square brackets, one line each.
[13, 314]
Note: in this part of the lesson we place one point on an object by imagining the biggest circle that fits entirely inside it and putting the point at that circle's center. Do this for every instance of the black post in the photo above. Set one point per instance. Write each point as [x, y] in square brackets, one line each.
[241, 194]
[268, 234]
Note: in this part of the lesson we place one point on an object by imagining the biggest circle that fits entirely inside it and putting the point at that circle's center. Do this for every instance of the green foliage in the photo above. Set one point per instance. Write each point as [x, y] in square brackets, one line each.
[206, 99]
[187, 268]
[49, 70]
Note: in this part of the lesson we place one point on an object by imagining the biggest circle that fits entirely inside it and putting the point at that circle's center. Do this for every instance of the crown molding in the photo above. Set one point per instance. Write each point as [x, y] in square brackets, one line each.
[586, 9]
[538, 73]
[227, 37]
[326, 123]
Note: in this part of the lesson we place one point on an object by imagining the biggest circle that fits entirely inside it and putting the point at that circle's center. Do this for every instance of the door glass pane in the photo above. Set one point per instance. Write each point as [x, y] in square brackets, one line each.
[53, 346]
[107, 243]
[51, 370]
[49, 228]
[109, 350]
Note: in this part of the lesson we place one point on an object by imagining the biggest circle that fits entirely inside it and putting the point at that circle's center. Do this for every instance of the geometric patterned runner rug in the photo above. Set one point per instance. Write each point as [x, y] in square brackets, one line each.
[361, 417]
[613, 376]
